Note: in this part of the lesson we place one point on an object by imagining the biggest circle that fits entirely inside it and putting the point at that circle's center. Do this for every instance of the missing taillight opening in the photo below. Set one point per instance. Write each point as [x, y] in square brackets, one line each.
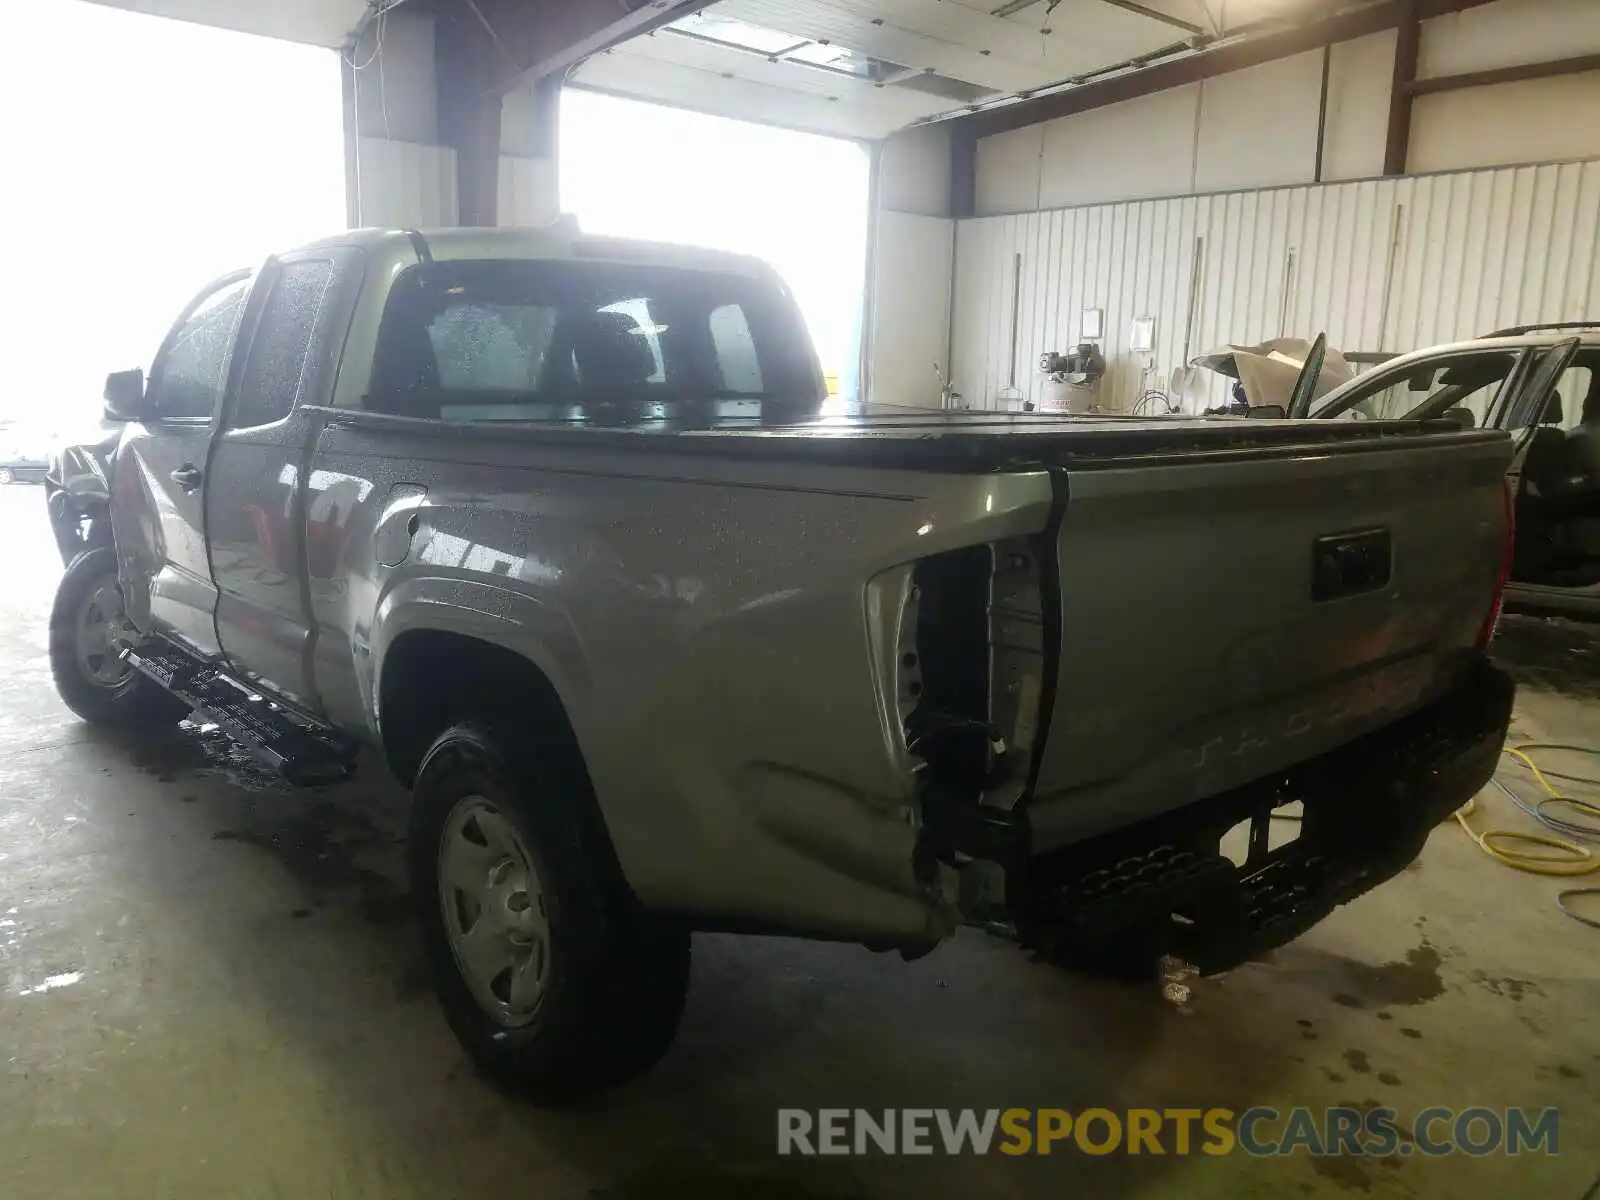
[949, 726]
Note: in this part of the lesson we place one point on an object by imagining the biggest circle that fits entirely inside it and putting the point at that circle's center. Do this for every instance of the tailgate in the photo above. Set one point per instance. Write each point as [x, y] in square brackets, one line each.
[1223, 617]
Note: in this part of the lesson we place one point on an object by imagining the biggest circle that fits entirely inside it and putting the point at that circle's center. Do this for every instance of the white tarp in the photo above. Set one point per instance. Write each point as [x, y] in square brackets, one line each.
[1268, 371]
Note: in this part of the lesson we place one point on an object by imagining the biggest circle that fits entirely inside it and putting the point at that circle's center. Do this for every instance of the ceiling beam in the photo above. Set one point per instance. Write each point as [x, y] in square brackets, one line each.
[1539, 70]
[1222, 59]
[531, 41]
[1012, 7]
[1134, 6]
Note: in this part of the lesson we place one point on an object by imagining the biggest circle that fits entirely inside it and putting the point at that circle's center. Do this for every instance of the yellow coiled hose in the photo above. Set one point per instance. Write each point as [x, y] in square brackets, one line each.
[1558, 852]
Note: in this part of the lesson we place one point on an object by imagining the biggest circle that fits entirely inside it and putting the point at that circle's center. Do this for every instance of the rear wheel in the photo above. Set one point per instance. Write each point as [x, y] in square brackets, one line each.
[550, 975]
[6, 476]
[89, 629]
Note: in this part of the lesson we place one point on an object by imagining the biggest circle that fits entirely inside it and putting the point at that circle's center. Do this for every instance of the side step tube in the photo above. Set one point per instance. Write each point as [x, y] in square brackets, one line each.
[293, 747]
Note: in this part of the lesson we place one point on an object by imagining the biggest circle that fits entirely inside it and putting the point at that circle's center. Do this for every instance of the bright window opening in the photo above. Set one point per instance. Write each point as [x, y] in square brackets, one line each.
[797, 200]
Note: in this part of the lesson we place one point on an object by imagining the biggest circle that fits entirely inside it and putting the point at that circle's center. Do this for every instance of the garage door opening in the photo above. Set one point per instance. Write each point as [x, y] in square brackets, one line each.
[797, 200]
[168, 153]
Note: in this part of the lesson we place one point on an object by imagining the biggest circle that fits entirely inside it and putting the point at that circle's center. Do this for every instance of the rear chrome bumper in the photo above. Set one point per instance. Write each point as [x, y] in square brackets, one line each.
[1163, 886]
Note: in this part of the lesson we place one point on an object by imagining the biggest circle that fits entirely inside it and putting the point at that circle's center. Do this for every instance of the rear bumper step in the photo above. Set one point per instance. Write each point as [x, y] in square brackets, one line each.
[291, 746]
[1367, 808]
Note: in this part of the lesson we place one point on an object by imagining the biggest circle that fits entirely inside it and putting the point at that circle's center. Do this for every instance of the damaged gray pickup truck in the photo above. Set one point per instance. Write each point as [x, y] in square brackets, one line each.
[556, 525]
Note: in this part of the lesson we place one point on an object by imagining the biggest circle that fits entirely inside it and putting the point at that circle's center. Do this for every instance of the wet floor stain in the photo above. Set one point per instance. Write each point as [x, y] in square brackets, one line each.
[1511, 989]
[1357, 1061]
[1410, 981]
[1389, 1077]
[1343, 1171]
[194, 749]
[1550, 653]
[1407, 1031]
[1567, 1072]
[52, 983]
[415, 982]
[330, 851]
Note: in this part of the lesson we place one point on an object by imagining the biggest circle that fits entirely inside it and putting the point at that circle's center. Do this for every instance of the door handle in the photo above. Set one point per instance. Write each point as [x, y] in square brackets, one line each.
[188, 477]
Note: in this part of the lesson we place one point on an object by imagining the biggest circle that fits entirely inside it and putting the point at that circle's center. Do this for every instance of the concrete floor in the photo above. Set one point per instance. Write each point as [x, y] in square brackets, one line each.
[209, 987]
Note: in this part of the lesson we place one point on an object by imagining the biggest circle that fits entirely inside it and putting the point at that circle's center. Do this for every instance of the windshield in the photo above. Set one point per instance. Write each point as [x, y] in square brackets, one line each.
[517, 340]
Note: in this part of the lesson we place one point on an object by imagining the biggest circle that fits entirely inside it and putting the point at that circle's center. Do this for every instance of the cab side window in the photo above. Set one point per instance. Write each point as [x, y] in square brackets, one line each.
[186, 383]
[1468, 381]
[1576, 401]
[275, 365]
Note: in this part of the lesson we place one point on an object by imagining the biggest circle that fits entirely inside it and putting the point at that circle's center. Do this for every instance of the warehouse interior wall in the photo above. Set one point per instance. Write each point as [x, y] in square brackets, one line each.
[1382, 265]
[1199, 207]
[912, 258]
[1258, 127]
[399, 172]
[1536, 120]
[1252, 128]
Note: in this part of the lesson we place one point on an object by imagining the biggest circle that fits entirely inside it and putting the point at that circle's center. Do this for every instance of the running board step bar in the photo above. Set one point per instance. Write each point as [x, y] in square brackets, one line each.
[293, 747]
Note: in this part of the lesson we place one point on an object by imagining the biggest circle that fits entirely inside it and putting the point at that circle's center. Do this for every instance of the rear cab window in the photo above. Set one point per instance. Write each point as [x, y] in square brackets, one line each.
[276, 362]
[533, 340]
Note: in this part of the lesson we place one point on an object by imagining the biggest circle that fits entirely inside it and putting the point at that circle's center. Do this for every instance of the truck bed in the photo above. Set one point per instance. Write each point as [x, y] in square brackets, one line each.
[934, 440]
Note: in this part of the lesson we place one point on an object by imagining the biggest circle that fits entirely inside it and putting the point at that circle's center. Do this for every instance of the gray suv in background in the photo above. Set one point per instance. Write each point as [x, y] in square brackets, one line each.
[1555, 468]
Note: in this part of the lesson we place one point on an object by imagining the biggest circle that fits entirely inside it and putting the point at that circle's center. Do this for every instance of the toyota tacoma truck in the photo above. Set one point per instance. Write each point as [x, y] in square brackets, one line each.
[556, 525]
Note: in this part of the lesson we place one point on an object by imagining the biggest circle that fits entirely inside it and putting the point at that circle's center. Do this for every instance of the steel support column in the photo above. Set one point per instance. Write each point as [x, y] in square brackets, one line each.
[464, 53]
[1408, 45]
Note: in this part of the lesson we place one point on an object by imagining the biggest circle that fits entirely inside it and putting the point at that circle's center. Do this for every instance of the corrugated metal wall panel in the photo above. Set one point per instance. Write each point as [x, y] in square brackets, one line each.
[1380, 265]
[527, 191]
[405, 185]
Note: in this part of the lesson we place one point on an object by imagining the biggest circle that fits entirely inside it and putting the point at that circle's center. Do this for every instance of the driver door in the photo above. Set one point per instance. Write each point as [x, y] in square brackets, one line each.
[157, 512]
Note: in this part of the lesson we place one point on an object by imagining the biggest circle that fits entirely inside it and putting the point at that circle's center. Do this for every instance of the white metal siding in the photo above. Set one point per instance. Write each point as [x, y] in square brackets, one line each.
[527, 191]
[911, 313]
[405, 185]
[1388, 265]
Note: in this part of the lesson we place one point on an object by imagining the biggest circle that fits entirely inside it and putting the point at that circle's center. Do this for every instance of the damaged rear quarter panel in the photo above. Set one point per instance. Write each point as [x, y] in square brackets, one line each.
[718, 634]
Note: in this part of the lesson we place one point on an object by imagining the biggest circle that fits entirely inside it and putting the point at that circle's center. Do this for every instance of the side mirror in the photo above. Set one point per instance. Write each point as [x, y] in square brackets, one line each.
[1461, 416]
[125, 397]
[1266, 412]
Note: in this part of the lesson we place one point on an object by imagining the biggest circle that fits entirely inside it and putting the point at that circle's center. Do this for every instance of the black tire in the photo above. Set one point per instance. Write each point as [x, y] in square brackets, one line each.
[616, 978]
[134, 702]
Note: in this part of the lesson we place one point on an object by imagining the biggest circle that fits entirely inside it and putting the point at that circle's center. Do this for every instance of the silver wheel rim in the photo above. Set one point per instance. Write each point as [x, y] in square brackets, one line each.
[5, 475]
[102, 635]
[494, 912]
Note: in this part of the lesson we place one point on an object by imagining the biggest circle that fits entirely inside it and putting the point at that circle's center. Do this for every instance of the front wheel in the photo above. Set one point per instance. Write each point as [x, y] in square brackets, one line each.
[550, 975]
[89, 629]
[6, 476]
